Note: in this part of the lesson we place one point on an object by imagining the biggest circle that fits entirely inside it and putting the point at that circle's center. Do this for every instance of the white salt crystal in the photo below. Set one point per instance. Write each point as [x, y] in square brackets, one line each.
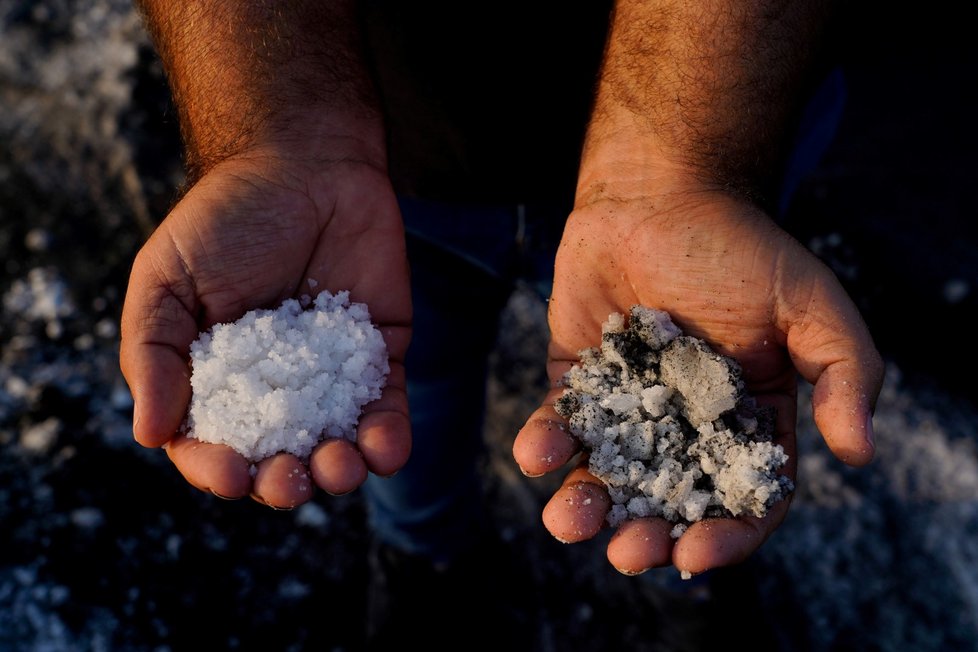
[695, 505]
[655, 399]
[638, 507]
[621, 403]
[283, 380]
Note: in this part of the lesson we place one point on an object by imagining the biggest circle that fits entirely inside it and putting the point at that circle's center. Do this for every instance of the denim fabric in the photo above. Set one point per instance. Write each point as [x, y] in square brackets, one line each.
[465, 261]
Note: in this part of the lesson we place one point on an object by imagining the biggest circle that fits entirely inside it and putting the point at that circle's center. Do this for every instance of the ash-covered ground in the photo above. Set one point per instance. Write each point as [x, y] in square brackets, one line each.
[104, 547]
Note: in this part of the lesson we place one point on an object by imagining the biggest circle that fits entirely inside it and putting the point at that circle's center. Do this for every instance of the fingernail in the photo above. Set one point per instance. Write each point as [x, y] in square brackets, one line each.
[631, 573]
[135, 417]
[220, 496]
[261, 500]
[870, 435]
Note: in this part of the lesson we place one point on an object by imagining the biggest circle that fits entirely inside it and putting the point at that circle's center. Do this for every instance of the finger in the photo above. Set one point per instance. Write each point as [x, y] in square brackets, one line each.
[337, 467]
[384, 431]
[211, 467]
[544, 443]
[832, 349]
[843, 402]
[157, 329]
[282, 482]
[716, 542]
[640, 545]
[159, 380]
[577, 511]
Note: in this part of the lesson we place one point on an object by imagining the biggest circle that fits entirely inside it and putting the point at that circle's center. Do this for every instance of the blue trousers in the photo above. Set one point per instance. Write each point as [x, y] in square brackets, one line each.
[465, 262]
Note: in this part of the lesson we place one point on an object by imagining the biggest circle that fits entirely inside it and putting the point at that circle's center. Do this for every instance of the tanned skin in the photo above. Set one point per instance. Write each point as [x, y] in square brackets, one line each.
[688, 126]
[288, 182]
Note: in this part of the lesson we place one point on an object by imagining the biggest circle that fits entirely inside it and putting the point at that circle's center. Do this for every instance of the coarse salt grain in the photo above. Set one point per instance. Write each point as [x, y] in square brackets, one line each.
[283, 380]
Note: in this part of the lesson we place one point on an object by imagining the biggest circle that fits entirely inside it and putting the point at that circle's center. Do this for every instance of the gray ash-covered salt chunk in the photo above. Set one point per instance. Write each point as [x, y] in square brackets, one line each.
[668, 426]
[744, 472]
[638, 440]
[589, 420]
[635, 348]
[709, 383]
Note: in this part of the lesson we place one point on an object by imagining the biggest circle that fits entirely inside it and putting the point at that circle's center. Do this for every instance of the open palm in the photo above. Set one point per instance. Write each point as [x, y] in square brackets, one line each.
[728, 275]
[253, 232]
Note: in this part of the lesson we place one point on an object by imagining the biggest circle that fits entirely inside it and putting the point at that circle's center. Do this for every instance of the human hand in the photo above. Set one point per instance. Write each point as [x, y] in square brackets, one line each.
[248, 235]
[726, 274]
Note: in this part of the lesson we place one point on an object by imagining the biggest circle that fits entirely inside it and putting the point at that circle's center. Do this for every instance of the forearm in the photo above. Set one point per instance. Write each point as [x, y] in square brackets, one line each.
[247, 73]
[702, 89]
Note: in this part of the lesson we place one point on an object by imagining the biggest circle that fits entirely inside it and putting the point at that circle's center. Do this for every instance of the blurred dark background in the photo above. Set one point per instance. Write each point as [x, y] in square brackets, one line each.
[891, 206]
[103, 546]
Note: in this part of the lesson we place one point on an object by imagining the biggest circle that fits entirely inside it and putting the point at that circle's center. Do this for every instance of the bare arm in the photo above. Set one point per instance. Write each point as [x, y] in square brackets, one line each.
[288, 190]
[706, 88]
[687, 132]
[249, 72]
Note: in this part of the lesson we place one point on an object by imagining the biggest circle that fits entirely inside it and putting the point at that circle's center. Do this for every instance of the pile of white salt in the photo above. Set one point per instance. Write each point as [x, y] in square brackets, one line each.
[669, 427]
[283, 380]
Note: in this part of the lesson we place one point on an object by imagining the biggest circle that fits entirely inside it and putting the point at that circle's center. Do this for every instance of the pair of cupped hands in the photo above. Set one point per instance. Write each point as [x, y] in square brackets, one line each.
[254, 229]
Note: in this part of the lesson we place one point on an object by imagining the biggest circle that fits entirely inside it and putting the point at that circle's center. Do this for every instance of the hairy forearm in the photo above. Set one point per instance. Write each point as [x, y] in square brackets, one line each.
[244, 73]
[707, 88]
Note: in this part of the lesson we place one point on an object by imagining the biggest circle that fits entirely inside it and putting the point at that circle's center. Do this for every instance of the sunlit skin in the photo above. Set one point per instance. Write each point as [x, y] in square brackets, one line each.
[728, 275]
[287, 162]
[287, 168]
[249, 235]
[691, 108]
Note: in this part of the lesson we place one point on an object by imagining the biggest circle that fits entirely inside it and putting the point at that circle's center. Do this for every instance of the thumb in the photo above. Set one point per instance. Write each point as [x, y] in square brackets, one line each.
[832, 348]
[157, 329]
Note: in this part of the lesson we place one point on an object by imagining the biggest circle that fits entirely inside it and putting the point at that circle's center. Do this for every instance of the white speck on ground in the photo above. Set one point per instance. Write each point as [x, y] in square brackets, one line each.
[87, 518]
[311, 515]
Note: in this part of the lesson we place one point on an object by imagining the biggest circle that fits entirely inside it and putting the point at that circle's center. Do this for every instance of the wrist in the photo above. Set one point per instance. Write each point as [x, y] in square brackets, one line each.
[322, 134]
[636, 182]
[624, 158]
[247, 75]
[299, 136]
